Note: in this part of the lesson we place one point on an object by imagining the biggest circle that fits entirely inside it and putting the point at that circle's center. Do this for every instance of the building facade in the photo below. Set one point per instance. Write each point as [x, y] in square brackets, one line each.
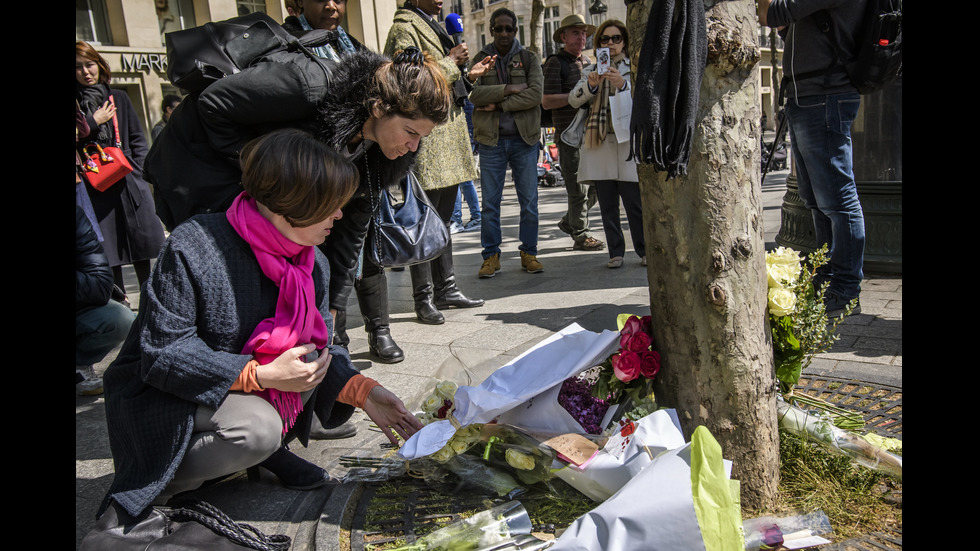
[130, 36]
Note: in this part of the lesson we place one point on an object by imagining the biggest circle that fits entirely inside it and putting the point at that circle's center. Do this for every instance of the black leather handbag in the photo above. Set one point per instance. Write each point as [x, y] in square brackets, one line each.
[408, 233]
[193, 524]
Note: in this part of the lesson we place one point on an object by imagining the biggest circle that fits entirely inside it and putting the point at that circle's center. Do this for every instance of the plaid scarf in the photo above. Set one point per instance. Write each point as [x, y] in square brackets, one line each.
[599, 123]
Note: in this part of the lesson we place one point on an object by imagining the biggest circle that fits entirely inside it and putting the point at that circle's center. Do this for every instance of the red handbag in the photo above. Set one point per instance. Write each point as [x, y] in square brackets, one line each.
[106, 165]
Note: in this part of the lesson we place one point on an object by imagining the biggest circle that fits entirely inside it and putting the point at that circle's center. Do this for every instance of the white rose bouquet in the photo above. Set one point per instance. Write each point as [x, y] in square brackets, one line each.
[797, 317]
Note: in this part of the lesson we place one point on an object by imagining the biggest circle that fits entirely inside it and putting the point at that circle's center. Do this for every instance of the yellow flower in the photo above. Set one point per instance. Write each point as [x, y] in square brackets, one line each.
[444, 454]
[446, 389]
[782, 267]
[432, 403]
[782, 301]
[519, 460]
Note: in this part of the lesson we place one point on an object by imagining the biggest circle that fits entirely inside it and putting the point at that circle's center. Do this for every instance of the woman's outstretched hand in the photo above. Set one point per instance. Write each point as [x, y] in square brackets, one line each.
[290, 372]
[390, 414]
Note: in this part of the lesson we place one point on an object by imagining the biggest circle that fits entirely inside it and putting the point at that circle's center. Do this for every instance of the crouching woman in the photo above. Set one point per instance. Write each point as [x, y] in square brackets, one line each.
[229, 358]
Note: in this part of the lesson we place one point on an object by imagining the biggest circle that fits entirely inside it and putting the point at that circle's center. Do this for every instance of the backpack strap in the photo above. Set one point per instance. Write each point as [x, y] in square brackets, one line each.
[826, 26]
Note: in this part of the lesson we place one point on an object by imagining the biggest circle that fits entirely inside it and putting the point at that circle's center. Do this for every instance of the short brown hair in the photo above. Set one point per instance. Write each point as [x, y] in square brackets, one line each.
[411, 90]
[86, 50]
[297, 176]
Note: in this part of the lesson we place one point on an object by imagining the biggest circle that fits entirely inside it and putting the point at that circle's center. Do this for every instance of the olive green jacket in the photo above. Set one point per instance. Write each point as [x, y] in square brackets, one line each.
[524, 105]
[445, 158]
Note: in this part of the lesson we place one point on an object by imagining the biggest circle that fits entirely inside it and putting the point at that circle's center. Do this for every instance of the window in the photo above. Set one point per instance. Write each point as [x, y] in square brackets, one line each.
[91, 22]
[476, 4]
[456, 6]
[520, 29]
[481, 30]
[551, 23]
[174, 15]
[246, 7]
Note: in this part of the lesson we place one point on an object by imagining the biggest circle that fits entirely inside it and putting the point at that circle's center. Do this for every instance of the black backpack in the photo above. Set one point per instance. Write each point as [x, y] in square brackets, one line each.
[879, 54]
[546, 121]
[199, 56]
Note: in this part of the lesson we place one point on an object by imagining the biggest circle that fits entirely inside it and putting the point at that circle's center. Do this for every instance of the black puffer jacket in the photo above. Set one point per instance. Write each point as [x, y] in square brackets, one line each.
[194, 164]
[93, 277]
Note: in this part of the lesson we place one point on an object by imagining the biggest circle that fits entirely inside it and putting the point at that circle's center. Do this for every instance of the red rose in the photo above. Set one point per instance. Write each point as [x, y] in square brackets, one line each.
[646, 324]
[649, 363]
[631, 326]
[626, 365]
[637, 342]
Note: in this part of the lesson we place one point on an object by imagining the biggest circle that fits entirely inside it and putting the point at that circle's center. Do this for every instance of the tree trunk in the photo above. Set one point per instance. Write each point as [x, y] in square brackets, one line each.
[706, 258]
[537, 27]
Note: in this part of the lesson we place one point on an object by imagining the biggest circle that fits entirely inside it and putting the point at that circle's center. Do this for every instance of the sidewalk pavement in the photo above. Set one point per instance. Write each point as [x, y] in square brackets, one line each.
[521, 309]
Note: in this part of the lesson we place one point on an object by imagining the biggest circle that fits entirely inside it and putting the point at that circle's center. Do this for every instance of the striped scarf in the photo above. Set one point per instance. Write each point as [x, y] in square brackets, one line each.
[599, 123]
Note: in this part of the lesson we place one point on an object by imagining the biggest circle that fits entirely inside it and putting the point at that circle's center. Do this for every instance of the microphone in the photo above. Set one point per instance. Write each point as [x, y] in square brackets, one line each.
[455, 28]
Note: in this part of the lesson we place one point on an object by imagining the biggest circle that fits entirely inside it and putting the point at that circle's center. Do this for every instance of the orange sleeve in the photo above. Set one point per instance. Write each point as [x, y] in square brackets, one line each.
[246, 381]
[356, 391]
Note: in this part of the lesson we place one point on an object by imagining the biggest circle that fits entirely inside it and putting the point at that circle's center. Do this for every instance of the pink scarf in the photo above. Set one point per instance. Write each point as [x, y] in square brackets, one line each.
[297, 319]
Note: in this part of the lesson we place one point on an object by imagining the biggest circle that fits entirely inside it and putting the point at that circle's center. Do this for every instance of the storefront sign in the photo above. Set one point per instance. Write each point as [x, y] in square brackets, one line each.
[144, 62]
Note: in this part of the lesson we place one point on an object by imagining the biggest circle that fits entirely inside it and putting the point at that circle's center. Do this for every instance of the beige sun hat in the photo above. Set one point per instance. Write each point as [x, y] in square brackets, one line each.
[574, 20]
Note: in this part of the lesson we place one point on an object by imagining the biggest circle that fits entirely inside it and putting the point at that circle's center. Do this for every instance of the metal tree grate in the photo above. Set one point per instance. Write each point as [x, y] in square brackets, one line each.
[398, 512]
[881, 406]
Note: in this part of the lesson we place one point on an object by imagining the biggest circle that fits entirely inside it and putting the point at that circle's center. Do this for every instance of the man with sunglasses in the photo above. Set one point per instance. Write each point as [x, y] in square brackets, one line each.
[573, 33]
[507, 125]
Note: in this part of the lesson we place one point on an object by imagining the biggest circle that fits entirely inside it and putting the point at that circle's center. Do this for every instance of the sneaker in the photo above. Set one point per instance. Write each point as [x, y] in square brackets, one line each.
[614, 262]
[836, 305]
[456, 227]
[90, 384]
[530, 264]
[490, 266]
[643, 261]
[589, 244]
[473, 225]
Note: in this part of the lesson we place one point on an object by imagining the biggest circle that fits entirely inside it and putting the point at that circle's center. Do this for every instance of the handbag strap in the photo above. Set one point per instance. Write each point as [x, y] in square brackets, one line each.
[374, 188]
[115, 122]
[240, 533]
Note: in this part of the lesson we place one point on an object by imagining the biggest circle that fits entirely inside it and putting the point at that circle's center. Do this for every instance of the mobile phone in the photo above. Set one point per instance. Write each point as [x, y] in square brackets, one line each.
[602, 60]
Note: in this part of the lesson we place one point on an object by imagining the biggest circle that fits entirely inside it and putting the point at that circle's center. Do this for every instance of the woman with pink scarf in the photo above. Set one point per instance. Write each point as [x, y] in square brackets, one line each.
[229, 357]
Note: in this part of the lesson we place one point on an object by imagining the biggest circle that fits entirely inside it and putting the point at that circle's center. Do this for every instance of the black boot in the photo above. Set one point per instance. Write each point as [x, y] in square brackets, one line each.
[295, 472]
[372, 295]
[422, 293]
[446, 294]
[340, 337]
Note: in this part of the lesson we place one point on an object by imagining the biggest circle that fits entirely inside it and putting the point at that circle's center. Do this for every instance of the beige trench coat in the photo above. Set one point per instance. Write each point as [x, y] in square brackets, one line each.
[445, 158]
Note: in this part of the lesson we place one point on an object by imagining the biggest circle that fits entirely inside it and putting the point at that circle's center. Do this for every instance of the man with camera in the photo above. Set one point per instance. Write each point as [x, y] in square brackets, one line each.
[821, 104]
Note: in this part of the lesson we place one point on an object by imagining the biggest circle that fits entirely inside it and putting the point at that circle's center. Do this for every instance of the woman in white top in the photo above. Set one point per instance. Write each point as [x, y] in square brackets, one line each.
[603, 157]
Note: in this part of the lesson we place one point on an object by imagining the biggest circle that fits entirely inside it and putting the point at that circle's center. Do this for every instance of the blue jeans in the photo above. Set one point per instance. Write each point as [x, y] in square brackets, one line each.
[820, 130]
[98, 330]
[467, 190]
[522, 159]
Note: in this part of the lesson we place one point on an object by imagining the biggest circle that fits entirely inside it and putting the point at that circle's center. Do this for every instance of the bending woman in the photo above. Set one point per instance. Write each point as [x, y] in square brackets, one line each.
[371, 109]
[603, 159]
[230, 357]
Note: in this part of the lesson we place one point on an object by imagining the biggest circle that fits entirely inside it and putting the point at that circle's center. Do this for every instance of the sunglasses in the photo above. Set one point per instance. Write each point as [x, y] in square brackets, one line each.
[615, 39]
[503, 29]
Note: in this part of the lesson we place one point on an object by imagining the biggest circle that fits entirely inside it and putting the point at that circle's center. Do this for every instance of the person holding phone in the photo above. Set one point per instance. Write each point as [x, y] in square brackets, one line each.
[602, 156]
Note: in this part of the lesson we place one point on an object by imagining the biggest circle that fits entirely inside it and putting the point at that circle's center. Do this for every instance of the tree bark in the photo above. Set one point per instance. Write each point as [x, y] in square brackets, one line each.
[706, 258]
[537, 27]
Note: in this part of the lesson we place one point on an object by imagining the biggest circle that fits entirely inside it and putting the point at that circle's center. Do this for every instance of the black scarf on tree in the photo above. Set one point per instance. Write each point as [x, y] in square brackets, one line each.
[667, 84]
[462, 87]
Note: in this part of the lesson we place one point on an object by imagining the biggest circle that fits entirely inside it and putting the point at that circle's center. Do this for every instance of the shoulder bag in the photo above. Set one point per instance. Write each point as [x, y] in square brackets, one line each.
[193, 524]
[408, 233]
[574, 135]
[104, 166]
